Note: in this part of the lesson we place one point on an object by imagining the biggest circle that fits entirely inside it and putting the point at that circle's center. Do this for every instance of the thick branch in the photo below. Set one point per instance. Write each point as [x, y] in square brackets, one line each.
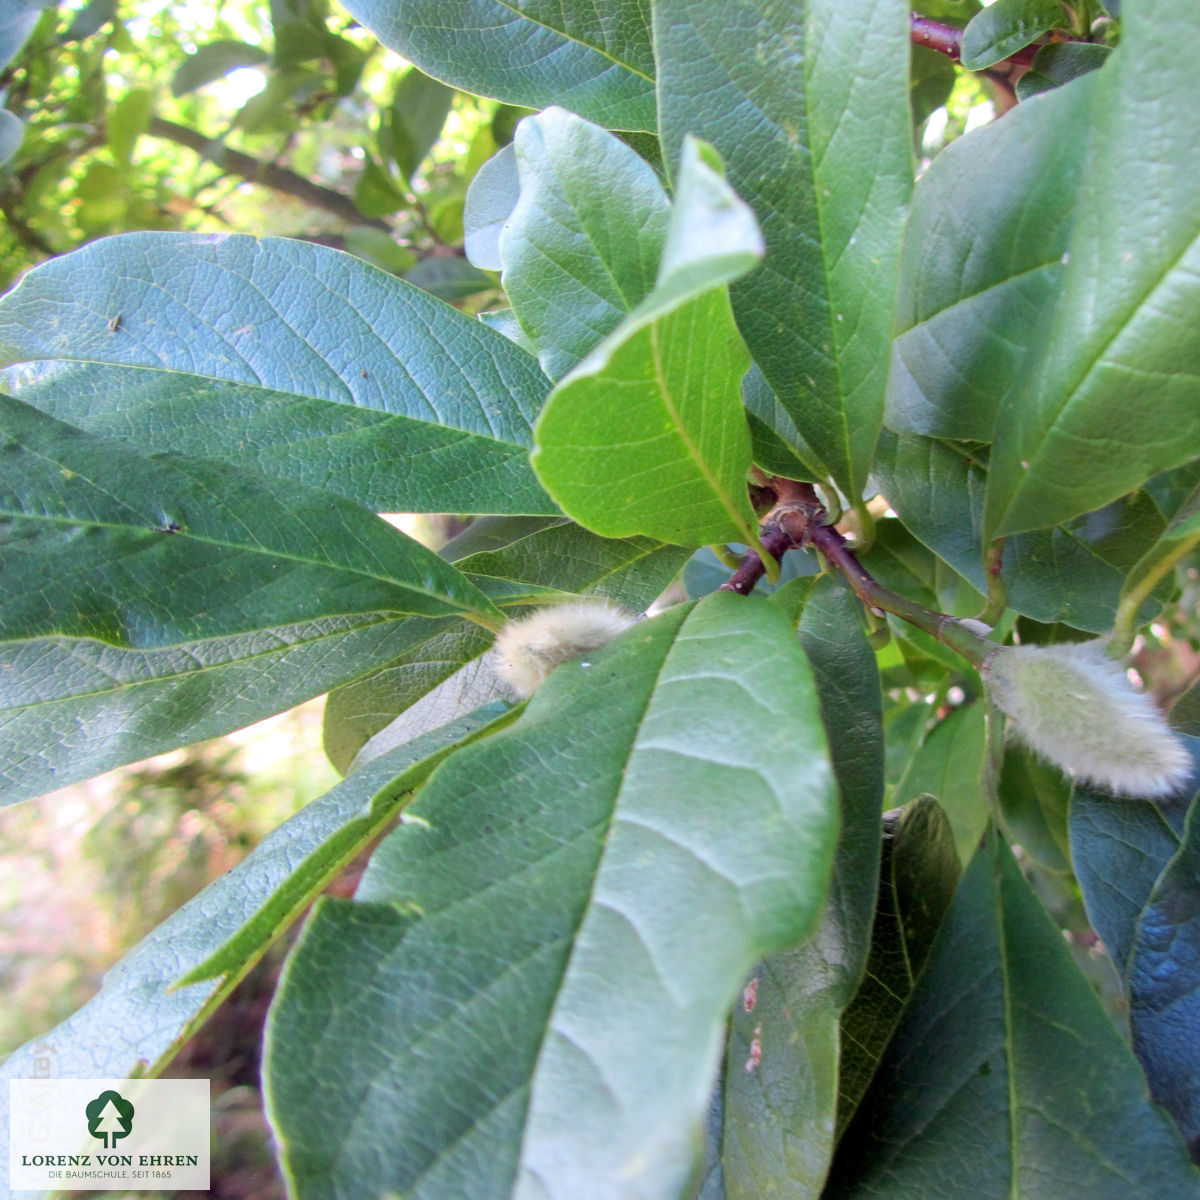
[271, 175]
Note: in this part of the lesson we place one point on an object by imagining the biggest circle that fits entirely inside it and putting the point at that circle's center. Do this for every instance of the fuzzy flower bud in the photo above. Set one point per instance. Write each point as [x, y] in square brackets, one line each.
[529, 648]
[1075, 705]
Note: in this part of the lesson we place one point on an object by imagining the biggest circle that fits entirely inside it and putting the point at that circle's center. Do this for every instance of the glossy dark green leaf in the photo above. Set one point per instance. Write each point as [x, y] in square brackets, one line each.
[1004, 28]
[595, 60]
[529, 996]
[560, 556]
[675, 466]
[1004, 1048]
[918, 873]
[1073, 573]
[780, 1090]
[1164, 986]
[297, 320]
[982, 260]
[140, 1018]
[1119, 848]
[214, 60]
[1119, 341]
[949, 766]
[1059, 63]
[101, 542]
[816, 137]
[581, 248]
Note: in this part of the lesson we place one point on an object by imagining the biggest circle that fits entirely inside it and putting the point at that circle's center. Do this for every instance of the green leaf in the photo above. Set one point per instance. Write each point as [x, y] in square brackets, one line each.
[949, 766]
[1164, 985]
[375, 192]
[215, 60]
[561, 556]
[128, 120]
[780, 1091]
[364, 350]
[1004, 28]
[449, 279]
[1120, 336]
[384, 461]
[595, 60]
[1004, 1042]
[71, 708]
[581, 248]
[1073, 573]
[1059, 63]
[146, 1010]
[101, 542]
[917, 877]
[491, 198]
[419, 109]
[982, 262]
[1035, 797]
[530, 994]
[807, 103]
[675, 466]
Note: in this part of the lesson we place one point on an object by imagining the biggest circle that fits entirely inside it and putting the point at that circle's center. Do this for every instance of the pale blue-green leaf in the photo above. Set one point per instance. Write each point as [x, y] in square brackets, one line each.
[12, 133]
[294, 318]
[383, 460]
[582, 246]
[553, 950]
[1072, 573]
[594, 59]
[491, 197]
[780, 1089]
[101, 542]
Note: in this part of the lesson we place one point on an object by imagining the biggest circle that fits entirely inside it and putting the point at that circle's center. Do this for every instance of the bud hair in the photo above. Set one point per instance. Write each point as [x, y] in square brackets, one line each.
[1075, 705]
[529, 648]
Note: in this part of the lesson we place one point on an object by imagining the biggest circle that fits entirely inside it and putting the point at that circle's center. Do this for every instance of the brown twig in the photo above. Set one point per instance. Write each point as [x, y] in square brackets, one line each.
[269, 174]
[798, 520]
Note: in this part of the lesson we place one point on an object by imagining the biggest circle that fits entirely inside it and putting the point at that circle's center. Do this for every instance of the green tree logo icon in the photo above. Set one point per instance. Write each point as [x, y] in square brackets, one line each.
[109, 1117]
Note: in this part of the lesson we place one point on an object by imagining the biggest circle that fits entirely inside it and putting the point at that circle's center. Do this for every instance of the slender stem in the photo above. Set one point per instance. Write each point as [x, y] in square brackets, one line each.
[1125, 622]
[997, 593]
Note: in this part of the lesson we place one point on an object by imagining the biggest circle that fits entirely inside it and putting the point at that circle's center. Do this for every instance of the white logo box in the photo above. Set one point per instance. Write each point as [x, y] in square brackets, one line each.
[57, 1142]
